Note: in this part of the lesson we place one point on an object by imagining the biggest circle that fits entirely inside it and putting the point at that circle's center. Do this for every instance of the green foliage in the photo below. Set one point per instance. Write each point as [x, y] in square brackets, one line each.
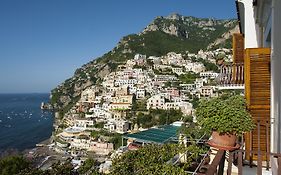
[19, 165]
[189, 77]
[225, 114]
[226, 44]
[230, 92]
[193, 132]
[95, 172]
[55, 97]
[158, 117]
[13, 165]
[112, 66]
[152, 159]
[73, 101]
[114, 138]
[195, 101]
[57, 139]
[211, 82]
[139, 105]
[188, 119]
[99, 125]
[101, 132]
[139, 67]
[175, 84]
[166, 71]
[86, 166]
[61, 168]
[208, 65]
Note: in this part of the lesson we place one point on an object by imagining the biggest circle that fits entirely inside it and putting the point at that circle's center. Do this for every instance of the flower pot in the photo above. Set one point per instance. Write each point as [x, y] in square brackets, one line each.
[228, 140]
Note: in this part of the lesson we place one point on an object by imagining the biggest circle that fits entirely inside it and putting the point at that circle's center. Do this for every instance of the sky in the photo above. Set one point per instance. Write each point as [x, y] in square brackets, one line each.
[42, 42]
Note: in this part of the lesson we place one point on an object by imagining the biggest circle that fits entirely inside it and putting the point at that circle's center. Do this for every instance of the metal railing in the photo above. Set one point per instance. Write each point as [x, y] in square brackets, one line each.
[238, 156]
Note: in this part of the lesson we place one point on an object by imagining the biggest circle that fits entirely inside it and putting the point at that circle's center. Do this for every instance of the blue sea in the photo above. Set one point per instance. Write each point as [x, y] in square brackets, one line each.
[22, 122]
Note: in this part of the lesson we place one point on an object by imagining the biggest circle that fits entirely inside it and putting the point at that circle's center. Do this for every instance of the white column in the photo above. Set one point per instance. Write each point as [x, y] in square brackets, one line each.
[275, 80]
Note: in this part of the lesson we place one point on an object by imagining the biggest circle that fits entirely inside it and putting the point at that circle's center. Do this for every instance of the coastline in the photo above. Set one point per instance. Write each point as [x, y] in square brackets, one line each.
[22, 123]
[42, 155]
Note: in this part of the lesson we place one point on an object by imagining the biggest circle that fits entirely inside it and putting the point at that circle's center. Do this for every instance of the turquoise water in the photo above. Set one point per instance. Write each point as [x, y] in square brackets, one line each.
[22, 122]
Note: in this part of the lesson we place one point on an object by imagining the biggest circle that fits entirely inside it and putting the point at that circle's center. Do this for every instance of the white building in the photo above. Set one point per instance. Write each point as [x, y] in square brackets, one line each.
[81, 143]
[99, 113]
[119, 126]
[87, 144]
[188, 87]
[209, 74]
[139, 56]
[140, 59]
[155, 102]
[101, 148]
[185, 107]
[122, 126]
[122, 99]
[109, 83]
[195, 67]
[127, 82]
[110, 126]
[165, 78]
[173, 58]
[120, 106]
[199, 82]
[84, 123]
[177, 70]
[207, 91]
[130, 63]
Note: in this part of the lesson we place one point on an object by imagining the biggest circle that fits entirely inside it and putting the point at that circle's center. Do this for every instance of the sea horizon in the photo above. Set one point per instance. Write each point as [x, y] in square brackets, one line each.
[3, 93]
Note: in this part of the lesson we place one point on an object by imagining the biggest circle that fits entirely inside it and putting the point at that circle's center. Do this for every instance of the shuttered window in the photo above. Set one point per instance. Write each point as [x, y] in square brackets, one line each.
[257, 93]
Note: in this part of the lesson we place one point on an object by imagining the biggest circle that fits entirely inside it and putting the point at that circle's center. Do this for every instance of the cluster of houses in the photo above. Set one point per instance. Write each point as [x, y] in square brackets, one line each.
[142, 78]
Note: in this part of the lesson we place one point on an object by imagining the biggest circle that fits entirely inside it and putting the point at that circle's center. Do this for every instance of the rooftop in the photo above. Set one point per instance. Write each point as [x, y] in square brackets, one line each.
[158, 135]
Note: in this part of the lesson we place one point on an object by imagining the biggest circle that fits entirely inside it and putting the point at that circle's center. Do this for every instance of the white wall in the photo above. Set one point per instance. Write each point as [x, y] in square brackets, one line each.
[251, 38]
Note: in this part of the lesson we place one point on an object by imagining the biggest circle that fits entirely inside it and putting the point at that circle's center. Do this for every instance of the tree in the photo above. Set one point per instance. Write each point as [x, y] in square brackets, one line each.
[86, 166]
[13, 165]
[189, 77]
[153, 159]
[61, 168]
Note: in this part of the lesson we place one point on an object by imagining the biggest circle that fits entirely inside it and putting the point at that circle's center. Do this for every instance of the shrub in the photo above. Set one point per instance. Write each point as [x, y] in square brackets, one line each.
[225, 115]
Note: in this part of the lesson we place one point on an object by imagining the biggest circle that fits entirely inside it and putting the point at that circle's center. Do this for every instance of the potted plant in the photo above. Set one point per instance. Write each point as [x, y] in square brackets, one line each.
[226, 117]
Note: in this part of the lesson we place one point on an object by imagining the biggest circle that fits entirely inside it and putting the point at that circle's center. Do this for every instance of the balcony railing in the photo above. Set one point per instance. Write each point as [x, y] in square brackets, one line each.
[232, 76]
[238, 156]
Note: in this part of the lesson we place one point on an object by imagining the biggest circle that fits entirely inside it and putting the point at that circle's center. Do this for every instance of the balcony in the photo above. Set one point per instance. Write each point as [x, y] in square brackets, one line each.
[231, 76]
[236, 162]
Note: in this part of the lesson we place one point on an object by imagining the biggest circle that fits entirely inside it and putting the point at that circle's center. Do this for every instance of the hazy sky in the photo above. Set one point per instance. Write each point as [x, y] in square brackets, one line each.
[42, 42]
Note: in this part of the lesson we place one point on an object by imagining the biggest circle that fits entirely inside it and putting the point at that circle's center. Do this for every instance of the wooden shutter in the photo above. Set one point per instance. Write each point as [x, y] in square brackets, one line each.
[238, 59]
[257, 93]
[238, 48]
